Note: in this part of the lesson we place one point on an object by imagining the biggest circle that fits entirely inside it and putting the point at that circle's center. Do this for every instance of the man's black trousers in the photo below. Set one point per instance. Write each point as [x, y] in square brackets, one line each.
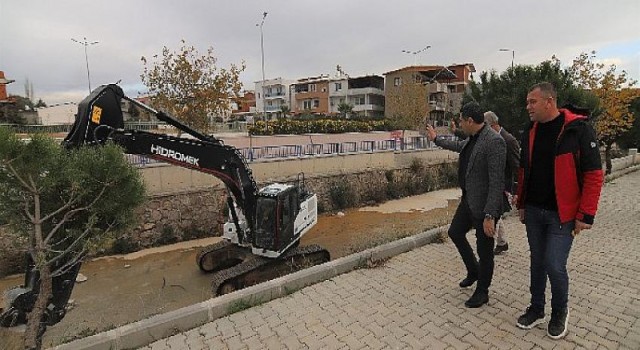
[462, 223]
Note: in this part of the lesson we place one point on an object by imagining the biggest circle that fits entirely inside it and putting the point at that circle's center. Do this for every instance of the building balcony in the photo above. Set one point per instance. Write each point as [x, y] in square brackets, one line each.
[436, 106]
[274, 95]
[273, 108]
[437, 88]
[366, 91]
[360, 108]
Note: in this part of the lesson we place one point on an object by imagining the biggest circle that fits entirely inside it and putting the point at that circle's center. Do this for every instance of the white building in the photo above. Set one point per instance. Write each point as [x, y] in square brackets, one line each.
[273, 96]
[64, 113]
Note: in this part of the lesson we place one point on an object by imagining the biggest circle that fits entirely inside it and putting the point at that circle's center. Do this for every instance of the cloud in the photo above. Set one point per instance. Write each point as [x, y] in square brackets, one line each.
[301, 38]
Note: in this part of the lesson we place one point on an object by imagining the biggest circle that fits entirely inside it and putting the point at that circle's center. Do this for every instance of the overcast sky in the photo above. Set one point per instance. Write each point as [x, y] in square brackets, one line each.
[302, 38]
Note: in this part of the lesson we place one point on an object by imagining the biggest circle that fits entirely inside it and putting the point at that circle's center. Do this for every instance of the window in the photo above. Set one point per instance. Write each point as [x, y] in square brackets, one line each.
[397, 81]
[359, 100]
[316, 103]
[306, 104]
[312, 87]
[338, 86]
[258, 95]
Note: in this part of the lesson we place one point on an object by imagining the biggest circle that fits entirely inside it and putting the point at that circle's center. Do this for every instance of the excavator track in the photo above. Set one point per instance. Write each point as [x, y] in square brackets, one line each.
[220, 256]
[256, 269]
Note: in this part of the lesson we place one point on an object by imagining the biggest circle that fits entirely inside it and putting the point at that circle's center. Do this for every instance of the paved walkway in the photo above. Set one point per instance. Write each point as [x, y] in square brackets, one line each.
[412, 301]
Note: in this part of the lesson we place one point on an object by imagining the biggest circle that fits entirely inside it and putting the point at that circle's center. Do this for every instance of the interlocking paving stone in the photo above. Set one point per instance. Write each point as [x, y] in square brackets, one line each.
[413, 300]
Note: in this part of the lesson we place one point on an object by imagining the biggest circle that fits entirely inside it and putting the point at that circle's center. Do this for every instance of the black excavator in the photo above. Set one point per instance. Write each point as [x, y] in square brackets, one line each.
[260, 239]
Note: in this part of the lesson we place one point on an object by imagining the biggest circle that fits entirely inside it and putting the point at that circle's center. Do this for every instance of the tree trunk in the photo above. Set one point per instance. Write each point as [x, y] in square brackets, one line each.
[607, 158]
[35, 320]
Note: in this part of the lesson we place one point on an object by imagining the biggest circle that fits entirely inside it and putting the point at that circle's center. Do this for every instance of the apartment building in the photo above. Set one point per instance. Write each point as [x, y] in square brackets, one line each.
[434, 91]
[365, 94]
[311, 95]
[271, 96]
[244, 105]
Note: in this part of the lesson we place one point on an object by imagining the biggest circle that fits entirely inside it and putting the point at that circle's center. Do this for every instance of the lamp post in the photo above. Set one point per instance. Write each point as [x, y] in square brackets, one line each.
[513, 55]
[414, 53]
[346, 90]
[86, 43]
[264, 109]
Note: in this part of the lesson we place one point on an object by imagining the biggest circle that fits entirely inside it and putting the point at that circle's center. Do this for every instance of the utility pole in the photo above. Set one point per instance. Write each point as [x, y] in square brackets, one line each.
[86, 43]
[264, 109]
[513, 55]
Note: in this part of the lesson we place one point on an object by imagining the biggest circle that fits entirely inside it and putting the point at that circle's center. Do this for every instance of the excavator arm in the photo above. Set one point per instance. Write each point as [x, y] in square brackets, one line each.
[261, 239]
[100, 119]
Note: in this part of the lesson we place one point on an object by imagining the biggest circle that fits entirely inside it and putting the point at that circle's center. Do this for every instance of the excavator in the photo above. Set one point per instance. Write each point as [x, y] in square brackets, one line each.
[260, 238]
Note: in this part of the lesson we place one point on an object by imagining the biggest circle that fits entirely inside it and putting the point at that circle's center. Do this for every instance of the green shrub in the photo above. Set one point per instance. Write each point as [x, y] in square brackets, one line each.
[123, 245]
[314, 125]
[167, 236]
[342, 194]
[417, 166]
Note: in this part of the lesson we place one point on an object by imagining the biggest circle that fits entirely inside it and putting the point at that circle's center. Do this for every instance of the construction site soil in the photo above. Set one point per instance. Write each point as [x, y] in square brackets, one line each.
[125, 289]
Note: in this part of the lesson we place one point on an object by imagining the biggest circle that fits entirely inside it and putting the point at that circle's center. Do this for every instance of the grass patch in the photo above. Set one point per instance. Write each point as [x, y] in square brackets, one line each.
[243, 304]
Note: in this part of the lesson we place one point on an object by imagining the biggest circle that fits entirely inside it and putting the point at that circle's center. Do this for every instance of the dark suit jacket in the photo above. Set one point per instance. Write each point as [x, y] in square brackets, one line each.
[513, 161]
[484, 181]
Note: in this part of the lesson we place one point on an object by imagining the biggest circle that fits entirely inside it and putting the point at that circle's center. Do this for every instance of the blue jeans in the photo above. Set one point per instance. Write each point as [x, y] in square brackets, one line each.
[550, 244]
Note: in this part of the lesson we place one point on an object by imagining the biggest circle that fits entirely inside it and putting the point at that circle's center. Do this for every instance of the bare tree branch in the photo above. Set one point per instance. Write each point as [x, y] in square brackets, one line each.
[64, 268]
[27, 213]
[68, 204]
[70, 214]
[77, 240]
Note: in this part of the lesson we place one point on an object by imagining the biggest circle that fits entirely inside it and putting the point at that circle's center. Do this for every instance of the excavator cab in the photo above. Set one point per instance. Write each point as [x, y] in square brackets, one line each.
[276, 213]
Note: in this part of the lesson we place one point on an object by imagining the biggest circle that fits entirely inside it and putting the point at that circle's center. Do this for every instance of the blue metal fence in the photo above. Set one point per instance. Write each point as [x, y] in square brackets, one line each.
[311, 150]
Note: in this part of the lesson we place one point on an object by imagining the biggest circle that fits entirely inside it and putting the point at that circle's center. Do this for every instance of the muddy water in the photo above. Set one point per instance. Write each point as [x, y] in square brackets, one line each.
[124, 289]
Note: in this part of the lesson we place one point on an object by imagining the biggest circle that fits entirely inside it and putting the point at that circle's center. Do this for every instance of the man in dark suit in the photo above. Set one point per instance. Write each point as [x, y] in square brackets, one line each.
[481, 178]
[510, 173]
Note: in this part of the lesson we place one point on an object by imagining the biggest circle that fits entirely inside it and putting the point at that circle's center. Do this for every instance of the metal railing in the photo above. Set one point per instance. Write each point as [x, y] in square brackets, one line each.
[252, 154]
[233, 126]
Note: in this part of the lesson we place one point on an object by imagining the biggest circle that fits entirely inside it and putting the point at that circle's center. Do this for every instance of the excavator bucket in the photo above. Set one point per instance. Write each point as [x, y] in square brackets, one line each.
[101, 107]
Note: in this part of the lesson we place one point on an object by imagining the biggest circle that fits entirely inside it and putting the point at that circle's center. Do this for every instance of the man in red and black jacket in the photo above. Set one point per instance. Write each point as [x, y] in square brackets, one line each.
[559, 183]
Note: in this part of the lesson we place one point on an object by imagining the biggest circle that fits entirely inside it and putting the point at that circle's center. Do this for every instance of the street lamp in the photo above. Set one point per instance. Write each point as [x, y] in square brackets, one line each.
[513, 55]
[264, 109]
[346, 90]
[414, 53]
[86, 43]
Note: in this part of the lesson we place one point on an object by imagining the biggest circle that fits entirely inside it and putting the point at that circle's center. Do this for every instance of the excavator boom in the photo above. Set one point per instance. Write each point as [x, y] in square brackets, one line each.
[264, 227]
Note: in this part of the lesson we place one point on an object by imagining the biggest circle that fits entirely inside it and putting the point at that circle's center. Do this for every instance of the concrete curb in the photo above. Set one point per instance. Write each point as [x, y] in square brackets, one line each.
[161, 326]
[616, 174]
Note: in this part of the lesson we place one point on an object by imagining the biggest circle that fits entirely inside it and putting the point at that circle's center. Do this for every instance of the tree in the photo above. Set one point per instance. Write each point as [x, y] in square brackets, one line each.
[409, 103]
[615, 93]
[506, 93]
[191, 87]
[9, 114]
[285, 110]
[345, 109]
[66, 202]
[40, 103]
[631, 138]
